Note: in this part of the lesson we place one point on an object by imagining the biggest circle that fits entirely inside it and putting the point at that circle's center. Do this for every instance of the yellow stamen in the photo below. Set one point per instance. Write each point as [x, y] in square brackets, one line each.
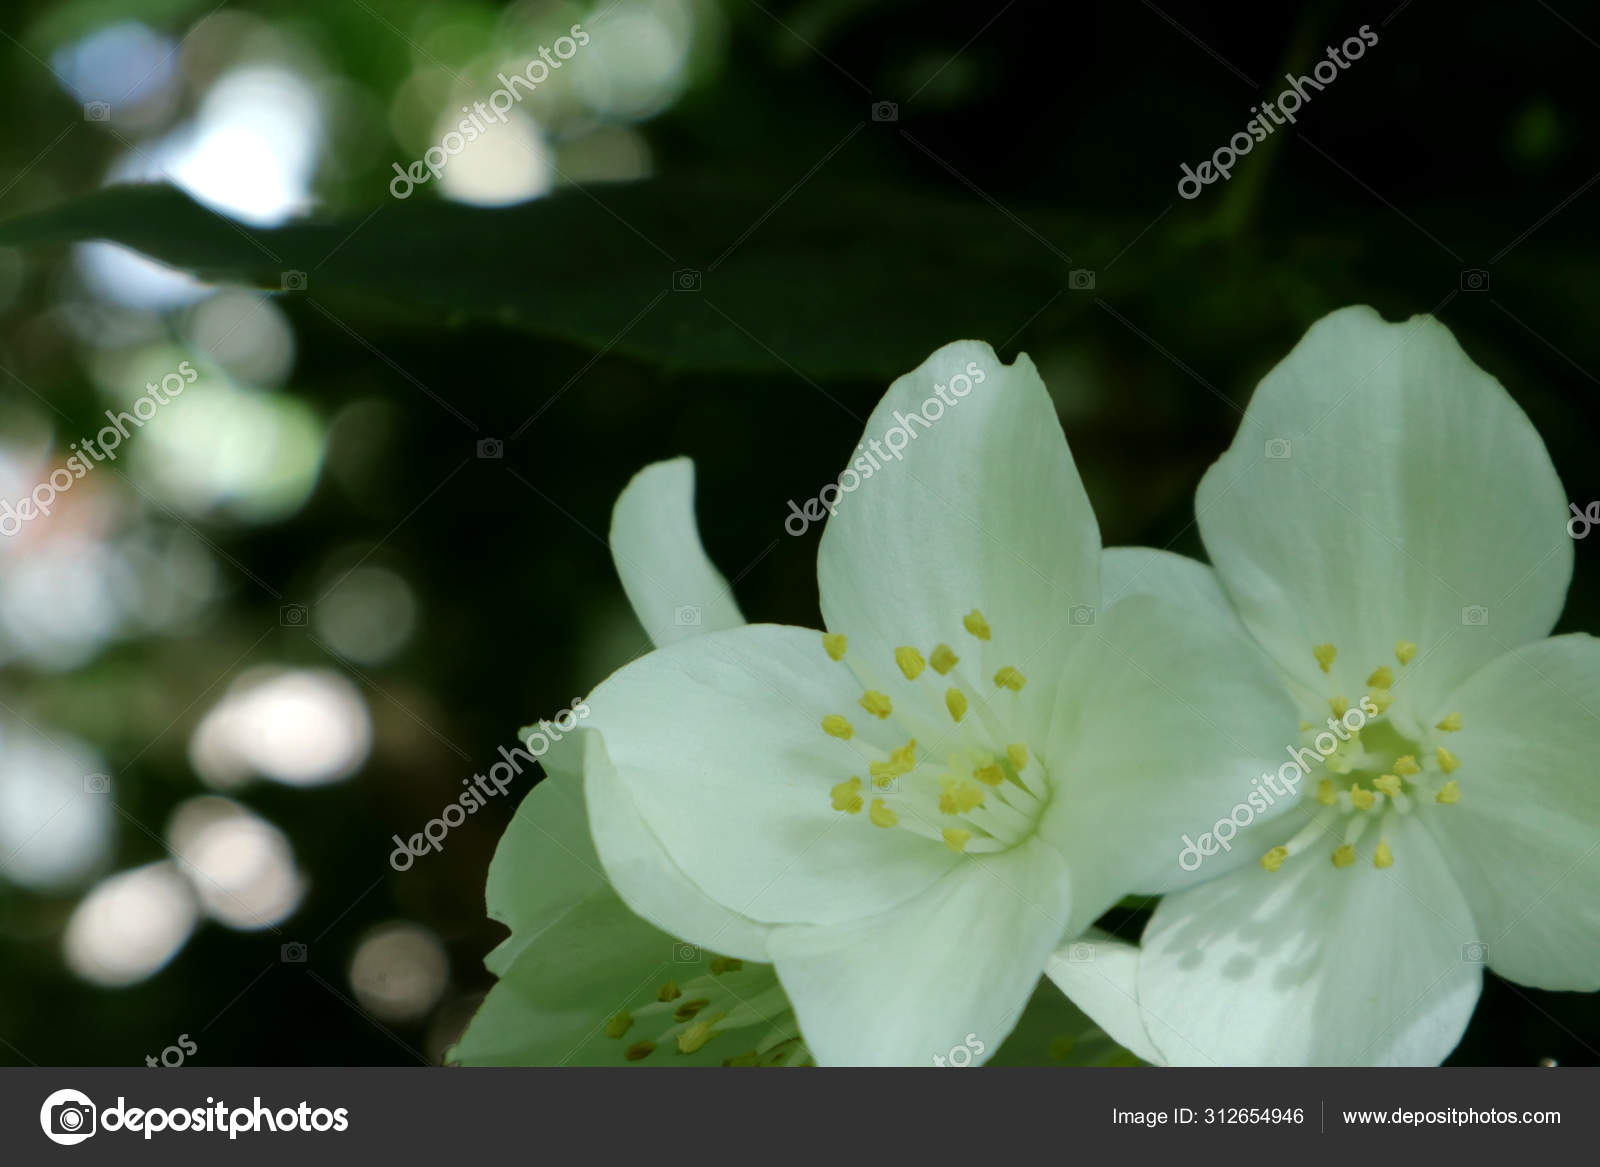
[1274, 858]
[1382, 678]
[1018, 754]
[836, 726]
[974, 623]
[1449, 793]
[1383, 857]
[1010, 678]
[689, 1009]
[835, 643]
[1404, 651]
[956, 702]
[910, 661]
[1339, 705]
[1381, 699]
[847, 796]
[990, 775]
[956, 839]
[1344, 856]
[1387, 783]
[1359, 798]
[1325, 654]
[943, 659]
[902, 760]
[1450, 723]
[877, 704]
[619, 1024]
[1304, 725]
[958, 796]
[639, 1050]
[1447, 761]
[881, 815]
[669, 992]
[691, 1039]
[1325, 793]
[723, 964]
[1406, 765]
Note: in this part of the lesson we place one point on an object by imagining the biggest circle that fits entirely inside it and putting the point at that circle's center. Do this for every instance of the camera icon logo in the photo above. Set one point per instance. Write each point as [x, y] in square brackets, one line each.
[1279, 449]
[885, 111]
[293, 953]
[96, 111]
[1081, 952]
[1475, 952]
[1080, 279]
[1081, 615]
[293, 615]
[67, 1117]
[1474, 279]
[491, 448]
[685, 953]
[1475, 616]
[686, 616]
[686, 279]
[97, 783]
[294, 281]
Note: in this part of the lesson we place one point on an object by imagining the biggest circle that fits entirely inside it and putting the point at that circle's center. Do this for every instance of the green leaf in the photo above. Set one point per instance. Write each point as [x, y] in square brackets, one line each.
[826, 281]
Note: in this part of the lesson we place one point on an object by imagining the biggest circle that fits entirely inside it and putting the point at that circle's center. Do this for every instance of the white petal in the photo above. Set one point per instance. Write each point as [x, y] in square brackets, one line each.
[1100, 974]
[1191, 585]
[1315, 965]
[1525, 838]
[718, 741]
[1165, 724]
[984, 509]
[673, 587]
[950, 969]
[1415, 492]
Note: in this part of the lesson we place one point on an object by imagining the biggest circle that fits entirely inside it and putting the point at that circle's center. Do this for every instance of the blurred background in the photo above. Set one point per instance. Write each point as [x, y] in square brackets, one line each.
[324, 585]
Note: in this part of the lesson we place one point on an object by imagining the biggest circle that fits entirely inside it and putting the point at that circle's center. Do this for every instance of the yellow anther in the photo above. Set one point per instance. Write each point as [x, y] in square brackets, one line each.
[877, 704]
[835, 643]
[725, 964]
[1381, 699]
[956, 702]
[1010, 678]
[902, 760]
[974, 623]
[943, 659]
[1344, 856]
[1447, 761]
[691, 1039]
[836, 726]
[910, 661]
[1274, 858]
[847, 796]
[1406, 765]
[619, 1024]
[1325, 654]
[1339, 705]
[1382, 678]
[1383, 857]
[1404, 651]
[1325, 793]
[989, 775]
[956, 839]
[1387, 783]
[1018, 756]
[1304, 725]
[881, 815]
[639, 1050]
[669, 992]
[1359, 798]
[1450, 793]
[1450, 723]
[958, 796]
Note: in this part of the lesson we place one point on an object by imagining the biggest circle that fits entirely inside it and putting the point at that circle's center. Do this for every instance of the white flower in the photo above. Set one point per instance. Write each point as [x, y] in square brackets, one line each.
[908, 813]
[1387, 525]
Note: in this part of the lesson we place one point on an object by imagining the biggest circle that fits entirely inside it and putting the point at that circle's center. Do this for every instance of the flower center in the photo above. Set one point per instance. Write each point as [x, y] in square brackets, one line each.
[731, 996]
[972, 784]
[1380, 771]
